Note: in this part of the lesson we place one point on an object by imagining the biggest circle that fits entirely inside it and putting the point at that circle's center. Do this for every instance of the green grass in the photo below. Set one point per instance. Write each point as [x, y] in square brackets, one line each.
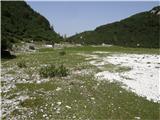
[108, 102]
[87, 97]
[115, 68]
[115, 49]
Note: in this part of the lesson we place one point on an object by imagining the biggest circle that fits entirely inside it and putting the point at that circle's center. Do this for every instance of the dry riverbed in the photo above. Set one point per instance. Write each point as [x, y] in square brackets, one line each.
[100, 85]
[142, 78]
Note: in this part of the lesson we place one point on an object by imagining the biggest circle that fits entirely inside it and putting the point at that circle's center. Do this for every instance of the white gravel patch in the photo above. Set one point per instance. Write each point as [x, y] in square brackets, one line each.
[101, 52]
[88, 56]
[82, 72]
[143, 78]
[108, 75]
[9, 105]
[97, 63]
[9, 82]
[48, 46]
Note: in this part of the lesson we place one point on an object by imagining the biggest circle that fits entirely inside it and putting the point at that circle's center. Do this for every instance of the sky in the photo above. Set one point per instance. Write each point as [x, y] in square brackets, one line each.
[75, 17]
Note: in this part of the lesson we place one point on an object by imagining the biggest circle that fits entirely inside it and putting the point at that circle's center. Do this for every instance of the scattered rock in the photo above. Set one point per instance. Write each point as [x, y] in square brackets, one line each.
[68, 107]
[74, 117]
[58, 89]
[92, 98]
[138, 118]
[59, 103]
[31, 47]
[48, 46]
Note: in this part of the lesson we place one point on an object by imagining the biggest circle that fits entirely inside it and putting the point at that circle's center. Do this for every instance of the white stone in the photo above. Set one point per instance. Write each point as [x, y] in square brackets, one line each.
[58, 89]
[38, 82]
[59, 103]
[48, 46]
[92, 98]
[68, 107]
[138, 118]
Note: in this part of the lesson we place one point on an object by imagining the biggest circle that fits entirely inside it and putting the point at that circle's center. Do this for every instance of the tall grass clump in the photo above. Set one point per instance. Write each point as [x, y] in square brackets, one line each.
[62, 53]
[22, 64]
[53, 71]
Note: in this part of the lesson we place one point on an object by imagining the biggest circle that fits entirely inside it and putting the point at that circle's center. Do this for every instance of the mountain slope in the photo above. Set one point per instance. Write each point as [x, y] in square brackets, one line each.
[139, 30]
[19, 22]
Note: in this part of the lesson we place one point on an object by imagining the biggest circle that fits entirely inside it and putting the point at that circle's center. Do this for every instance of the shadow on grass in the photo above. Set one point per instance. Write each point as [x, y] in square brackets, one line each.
[7, 55]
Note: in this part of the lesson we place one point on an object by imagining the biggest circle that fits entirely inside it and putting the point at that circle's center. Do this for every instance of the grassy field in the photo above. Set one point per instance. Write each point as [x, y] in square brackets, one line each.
[77, 96]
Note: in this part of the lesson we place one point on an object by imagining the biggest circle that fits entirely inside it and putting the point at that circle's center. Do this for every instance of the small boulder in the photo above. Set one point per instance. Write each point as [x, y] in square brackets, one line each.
[31, 47]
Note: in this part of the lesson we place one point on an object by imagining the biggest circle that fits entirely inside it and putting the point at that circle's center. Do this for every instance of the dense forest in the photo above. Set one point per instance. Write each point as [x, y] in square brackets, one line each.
[139, 30]
[19, 22]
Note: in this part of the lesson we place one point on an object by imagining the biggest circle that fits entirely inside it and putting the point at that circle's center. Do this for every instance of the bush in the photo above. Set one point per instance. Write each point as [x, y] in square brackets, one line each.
[22, 64]
[62, 71]
[53, 71]
[62, 53]
[31, 47]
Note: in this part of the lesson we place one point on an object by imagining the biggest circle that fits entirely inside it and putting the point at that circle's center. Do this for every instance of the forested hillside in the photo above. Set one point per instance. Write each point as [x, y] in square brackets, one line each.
[19, 22]
[139, 30]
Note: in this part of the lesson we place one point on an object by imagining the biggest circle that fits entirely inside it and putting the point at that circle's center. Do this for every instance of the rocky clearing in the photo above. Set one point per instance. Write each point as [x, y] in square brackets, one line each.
[142, 78]
[98, 81]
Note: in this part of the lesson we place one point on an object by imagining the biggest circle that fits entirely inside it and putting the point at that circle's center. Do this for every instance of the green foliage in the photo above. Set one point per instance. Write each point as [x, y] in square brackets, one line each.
[140, 30]
[21, 64]
[53, 71]
[5, 44]
[20, 22]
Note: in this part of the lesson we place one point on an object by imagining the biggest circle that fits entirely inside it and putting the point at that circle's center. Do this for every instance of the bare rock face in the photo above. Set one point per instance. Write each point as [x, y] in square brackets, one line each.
[158, 13]
[156, 10]
[153, 11]
[24, 47]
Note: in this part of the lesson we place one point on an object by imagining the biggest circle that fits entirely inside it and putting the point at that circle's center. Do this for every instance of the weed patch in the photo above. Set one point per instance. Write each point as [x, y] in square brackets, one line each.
[53, 71]
[22, 64]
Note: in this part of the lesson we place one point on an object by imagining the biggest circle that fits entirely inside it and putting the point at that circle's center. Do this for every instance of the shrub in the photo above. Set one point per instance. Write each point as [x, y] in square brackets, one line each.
[22, 64]
[62, 53]
[62, 71]
[31, 47]
[53, 71]
[47, 71]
